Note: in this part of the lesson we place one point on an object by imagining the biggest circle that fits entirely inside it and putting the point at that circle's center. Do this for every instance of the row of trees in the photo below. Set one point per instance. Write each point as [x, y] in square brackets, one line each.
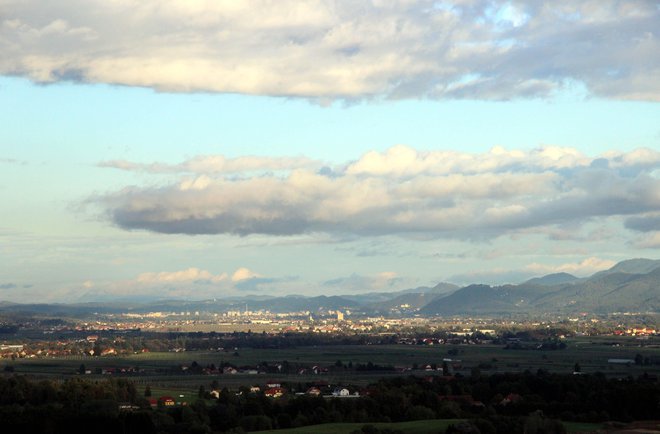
[502, 403]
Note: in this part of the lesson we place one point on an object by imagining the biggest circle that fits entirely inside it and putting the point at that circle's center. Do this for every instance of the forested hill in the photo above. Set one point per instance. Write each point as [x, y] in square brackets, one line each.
[630, 286]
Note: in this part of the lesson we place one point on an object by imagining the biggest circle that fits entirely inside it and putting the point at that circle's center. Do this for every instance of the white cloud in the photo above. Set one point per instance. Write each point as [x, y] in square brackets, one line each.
[650, 240]
[188, 283]
[405, 191]
[503, 275]
[184, 276]
[322, 49]
[585, 267]
[243, 274]
[218, 164]
[403, 161]
[198, 283]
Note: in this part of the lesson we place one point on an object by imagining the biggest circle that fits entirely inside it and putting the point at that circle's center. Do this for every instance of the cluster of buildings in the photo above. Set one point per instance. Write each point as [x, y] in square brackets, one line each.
[637, 331]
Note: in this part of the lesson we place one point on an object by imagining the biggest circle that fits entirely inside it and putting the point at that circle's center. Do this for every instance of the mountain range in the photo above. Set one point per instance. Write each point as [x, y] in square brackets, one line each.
[629, 286]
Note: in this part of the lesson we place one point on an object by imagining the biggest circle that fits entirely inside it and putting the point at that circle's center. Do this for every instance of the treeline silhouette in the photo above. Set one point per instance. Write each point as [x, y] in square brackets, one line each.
[500, 403]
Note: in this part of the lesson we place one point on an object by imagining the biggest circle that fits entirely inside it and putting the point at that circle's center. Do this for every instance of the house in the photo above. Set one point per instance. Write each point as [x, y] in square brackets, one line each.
[167, 401]
[340, 392]
[127, 407]
[313, 391]
[108, 352]
[255, 389]
[511, 398]
[274, 392]
[642, 331]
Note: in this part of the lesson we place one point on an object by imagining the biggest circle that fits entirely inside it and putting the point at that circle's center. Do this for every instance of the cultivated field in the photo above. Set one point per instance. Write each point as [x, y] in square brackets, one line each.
[413, 427]
[163, 369]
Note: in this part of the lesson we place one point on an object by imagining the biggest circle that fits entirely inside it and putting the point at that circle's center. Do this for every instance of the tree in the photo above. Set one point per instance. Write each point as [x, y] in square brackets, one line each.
[537, 423]
[202, 392]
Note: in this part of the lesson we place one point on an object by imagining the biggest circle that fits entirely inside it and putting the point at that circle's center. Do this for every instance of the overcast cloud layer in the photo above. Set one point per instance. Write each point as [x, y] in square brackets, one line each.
[401, 191]
[340, 49]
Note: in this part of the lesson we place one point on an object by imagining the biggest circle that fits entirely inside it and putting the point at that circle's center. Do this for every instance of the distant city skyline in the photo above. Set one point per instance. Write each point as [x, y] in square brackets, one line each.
[204, 150]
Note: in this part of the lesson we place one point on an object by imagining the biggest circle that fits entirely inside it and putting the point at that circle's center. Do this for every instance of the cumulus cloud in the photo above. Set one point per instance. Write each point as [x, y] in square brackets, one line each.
[217, 164]
[184, 276]
[322, 49]
[404, 191]
[500, 276]
[243, 274]
[188, 283]
[585, 267]
[199, 283]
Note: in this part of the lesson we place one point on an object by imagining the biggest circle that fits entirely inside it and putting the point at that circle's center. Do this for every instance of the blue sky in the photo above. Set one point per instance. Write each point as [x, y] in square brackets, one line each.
[318, 149]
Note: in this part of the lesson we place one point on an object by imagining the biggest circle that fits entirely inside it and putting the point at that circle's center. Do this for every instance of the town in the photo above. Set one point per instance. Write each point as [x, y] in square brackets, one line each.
[181, 372]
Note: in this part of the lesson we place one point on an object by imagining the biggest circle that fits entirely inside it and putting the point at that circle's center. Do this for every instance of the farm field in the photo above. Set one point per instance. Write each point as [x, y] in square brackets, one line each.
[413, 427]
[424, 427]
[163, 369]
[577, 427]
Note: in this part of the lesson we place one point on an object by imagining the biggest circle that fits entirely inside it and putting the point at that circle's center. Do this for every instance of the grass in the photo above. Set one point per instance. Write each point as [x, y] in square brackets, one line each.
[413, 427]
[577, 427]
[189, 396]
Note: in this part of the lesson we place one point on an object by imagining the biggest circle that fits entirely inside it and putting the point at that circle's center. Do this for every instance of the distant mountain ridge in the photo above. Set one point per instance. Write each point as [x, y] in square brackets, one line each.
[553, 279]
[629, 286]
[632, 266]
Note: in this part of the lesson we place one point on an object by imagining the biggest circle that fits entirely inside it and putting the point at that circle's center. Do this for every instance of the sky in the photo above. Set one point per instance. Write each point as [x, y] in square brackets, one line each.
[207, 149]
